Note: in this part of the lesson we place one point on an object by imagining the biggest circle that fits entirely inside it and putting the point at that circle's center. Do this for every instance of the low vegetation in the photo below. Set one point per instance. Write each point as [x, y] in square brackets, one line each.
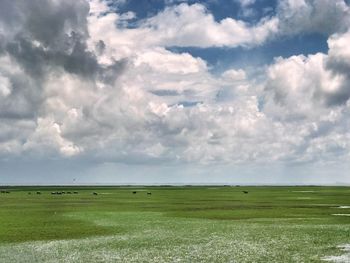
[187, 224]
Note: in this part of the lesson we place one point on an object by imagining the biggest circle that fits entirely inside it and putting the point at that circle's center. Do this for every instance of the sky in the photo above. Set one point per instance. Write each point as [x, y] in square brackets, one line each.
[174, 92]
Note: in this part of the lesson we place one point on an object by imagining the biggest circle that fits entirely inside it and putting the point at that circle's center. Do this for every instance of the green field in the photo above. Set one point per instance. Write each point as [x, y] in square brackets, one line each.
[175, 224]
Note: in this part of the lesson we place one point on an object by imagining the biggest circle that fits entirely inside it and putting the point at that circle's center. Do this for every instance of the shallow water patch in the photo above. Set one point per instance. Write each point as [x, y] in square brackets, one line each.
[344, 258]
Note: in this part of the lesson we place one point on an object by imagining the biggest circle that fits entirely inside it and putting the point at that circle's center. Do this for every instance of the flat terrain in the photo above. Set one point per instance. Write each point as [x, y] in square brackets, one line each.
[175, 224]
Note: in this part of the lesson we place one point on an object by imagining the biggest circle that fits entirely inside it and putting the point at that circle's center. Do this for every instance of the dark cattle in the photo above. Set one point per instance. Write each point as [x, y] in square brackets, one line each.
[149, 193]
[69, 193]
[134, 192]
[94, 193]
[75, 192]
[58, 193]
[38, 193]
[3, 191]
[53, 193]
[63, 192]
[246, 192]
[29, 193]
[7, 192]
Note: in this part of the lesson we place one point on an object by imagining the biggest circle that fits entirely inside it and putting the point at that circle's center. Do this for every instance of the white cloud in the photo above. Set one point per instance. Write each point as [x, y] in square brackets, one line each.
[5, 86]
[339, 51]
[47, 137]
[338, 45]
[192, 25]
[112, 93]
[311, 95]
[313, 16]
[306, 84]
[182, 25]
[165, 61]
[234, 75]
[245, 3]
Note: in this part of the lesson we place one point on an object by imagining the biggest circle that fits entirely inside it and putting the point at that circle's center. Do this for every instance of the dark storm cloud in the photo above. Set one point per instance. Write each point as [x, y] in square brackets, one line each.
[48, 33]
[40, 34]
[37, 60]
[339, 97]
[45, 21]
[100, 47]
[37, 36]
[44, 37]
[315, 16]
[40, 39]
[109, 74]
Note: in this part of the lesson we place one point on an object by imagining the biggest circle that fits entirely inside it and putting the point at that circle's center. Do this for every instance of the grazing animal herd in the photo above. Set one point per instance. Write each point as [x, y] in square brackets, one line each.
[148, 193]
[62, 192]
[75, 192]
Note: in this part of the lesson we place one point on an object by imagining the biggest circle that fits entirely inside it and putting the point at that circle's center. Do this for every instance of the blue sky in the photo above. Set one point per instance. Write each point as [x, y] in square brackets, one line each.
[174, 92]
[219, 9]
[222, 58]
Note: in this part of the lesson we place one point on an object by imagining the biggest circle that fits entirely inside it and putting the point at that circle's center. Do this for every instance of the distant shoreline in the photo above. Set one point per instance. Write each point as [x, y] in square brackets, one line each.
[160, 185]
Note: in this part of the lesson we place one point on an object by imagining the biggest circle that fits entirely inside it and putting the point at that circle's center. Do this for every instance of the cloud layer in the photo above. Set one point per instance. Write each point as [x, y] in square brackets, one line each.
[79, 80]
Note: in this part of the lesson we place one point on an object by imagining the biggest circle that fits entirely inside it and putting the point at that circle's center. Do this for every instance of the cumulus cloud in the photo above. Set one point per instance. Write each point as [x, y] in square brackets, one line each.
[192, 25]
[47, 138]
[312, 93]
[187, 25]
[303, 83]
[313, 16]
[184, 25]
[5, 86]
[338, 63]
[88, 86]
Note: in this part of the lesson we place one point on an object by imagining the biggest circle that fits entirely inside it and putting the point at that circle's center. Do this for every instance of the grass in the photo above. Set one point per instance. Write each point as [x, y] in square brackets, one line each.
[187, 224]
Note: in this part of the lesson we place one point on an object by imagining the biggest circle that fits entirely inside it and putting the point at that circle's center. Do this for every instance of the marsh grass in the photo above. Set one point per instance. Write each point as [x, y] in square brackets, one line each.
[187, 224]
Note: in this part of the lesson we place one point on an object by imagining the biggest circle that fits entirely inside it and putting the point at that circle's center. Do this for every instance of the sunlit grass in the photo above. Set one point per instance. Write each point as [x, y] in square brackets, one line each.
[175, 224]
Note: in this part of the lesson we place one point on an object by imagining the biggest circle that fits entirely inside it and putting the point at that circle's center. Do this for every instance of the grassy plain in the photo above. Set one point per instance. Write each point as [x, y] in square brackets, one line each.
[175, 224]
